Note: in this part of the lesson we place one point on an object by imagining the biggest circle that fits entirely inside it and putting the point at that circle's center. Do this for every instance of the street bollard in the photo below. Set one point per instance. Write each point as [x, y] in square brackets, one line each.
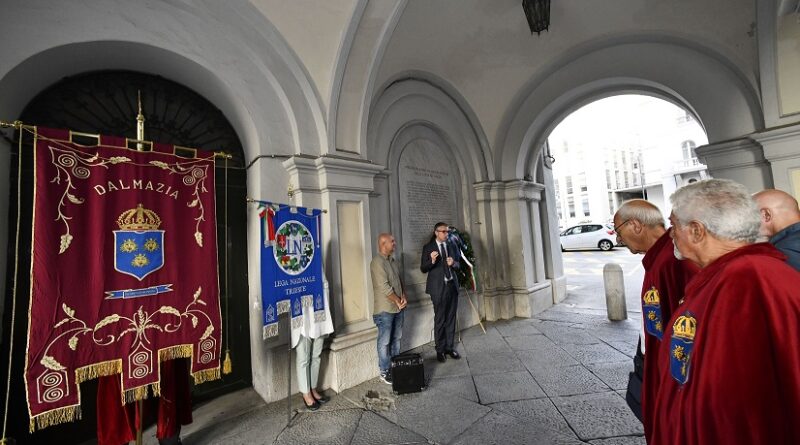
[615, 292]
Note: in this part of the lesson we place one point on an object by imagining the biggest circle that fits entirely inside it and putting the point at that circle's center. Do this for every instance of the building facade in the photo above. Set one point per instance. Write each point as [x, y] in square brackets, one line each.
[622, 148]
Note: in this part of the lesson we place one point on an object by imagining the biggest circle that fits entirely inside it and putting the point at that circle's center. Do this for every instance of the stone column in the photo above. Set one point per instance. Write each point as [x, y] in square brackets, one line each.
[498, 300]
[343, 187]
[518, 285]
[741, 160]
[781, 150]
[554, 264]
[523, 229]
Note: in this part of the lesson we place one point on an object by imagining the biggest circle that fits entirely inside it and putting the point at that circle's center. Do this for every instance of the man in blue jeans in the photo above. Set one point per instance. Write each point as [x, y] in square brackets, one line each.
[390, 300]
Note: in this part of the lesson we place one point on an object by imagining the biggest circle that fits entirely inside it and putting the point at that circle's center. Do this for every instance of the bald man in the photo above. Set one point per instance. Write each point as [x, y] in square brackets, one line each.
[389, 300]
[640, 225]
[780, 222]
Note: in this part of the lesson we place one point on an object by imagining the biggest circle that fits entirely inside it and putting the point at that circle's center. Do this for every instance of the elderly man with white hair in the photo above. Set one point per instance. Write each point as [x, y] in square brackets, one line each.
[731, 351]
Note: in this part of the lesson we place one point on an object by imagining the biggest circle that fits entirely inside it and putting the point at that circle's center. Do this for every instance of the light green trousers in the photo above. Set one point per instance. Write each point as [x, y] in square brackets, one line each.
[308, 351]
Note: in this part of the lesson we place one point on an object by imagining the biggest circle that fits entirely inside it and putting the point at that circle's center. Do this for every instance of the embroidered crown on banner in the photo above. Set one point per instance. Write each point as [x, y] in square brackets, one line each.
[138, 219]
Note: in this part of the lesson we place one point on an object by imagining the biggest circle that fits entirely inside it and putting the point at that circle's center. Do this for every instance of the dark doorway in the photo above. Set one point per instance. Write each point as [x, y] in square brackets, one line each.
[105, 103]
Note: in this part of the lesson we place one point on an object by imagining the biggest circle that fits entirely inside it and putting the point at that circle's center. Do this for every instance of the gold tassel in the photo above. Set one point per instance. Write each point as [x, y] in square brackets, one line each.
[226, 364]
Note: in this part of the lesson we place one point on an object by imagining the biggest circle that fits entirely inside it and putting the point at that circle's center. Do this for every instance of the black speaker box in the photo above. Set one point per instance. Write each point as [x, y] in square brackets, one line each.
[408, 373]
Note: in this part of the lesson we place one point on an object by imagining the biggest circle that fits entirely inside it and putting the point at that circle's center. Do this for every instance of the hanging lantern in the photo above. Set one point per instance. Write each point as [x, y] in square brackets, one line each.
[538, 14]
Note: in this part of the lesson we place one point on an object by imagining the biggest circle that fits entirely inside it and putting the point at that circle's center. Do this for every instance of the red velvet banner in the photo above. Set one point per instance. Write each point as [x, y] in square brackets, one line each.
[124, 270]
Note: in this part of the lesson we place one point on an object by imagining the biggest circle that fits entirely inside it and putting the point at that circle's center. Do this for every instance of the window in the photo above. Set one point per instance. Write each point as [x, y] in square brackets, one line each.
[569, 185]
[582, 181]
[688, 149]
[611, 203]
[585, 205]
[571, 205]
[608, 179]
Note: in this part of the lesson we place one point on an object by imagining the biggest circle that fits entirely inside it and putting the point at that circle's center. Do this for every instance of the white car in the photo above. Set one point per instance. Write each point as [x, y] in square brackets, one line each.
[589, 236]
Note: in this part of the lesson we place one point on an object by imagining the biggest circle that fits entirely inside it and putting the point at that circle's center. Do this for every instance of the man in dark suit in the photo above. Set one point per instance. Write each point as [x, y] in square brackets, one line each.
[440, 261]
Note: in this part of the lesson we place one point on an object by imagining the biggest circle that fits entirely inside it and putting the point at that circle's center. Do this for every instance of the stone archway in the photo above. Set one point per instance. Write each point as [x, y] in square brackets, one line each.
[104, 102]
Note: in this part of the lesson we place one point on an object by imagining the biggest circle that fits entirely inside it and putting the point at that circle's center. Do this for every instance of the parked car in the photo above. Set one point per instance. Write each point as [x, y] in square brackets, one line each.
[589, 236]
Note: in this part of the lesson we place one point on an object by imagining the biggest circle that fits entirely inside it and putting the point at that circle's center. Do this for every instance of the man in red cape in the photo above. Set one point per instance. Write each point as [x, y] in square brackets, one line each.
[640, 225]
[732, 349]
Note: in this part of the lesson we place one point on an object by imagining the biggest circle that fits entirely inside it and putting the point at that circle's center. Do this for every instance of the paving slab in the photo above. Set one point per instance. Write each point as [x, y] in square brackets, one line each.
[500, 428]
[627, 348]
[611, 334]
[375, 430]
[320, 427]
[461, 386]
[494, 363]
[259, 426]
[506, 387]
[546, 357]
[627, 440]
[450, 368]
[476, 331]
[376, 387]
[529, 342]
[613, 374]
[598, 416]
[561, 333]
[571, 317]
[492, 341]
[594, 353]
[538, 412]
[568, 380]
[436, 415]
[517, 327]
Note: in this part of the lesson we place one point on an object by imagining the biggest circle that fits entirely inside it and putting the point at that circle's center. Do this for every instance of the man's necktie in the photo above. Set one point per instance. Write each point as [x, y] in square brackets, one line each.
[443, 254]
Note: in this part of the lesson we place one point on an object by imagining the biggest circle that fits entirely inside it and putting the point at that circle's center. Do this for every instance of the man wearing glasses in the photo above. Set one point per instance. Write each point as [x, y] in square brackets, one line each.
[440, 262]
[640, 225]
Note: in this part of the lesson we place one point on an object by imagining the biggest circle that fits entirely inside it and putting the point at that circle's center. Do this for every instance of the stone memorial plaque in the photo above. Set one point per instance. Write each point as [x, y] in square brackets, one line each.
[427, 177]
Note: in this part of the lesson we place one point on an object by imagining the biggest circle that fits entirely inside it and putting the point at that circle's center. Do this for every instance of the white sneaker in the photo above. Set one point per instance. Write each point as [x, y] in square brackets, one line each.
[386, 378]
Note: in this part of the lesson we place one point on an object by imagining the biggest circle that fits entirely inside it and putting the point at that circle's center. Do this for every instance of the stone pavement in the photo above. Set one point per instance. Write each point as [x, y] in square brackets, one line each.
[558, 378]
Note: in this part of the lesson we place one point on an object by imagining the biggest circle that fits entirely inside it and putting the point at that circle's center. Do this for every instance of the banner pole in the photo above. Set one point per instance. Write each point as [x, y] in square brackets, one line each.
[289, 373]
[18, 126]
[290, 193]
[140, 147]
[472, 268]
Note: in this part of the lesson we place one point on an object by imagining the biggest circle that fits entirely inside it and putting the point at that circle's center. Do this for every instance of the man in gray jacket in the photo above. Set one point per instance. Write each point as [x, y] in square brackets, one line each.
[389, 301]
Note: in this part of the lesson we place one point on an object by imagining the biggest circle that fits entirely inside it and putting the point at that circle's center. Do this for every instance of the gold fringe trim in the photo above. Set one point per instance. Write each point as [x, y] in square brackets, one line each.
[270, 330]
[72, 413]
[206, 375]
[307, 300]
[179, 351]
[55, 417]
[320, 316]
[227, 367]
[98, 370]
[142, 392]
